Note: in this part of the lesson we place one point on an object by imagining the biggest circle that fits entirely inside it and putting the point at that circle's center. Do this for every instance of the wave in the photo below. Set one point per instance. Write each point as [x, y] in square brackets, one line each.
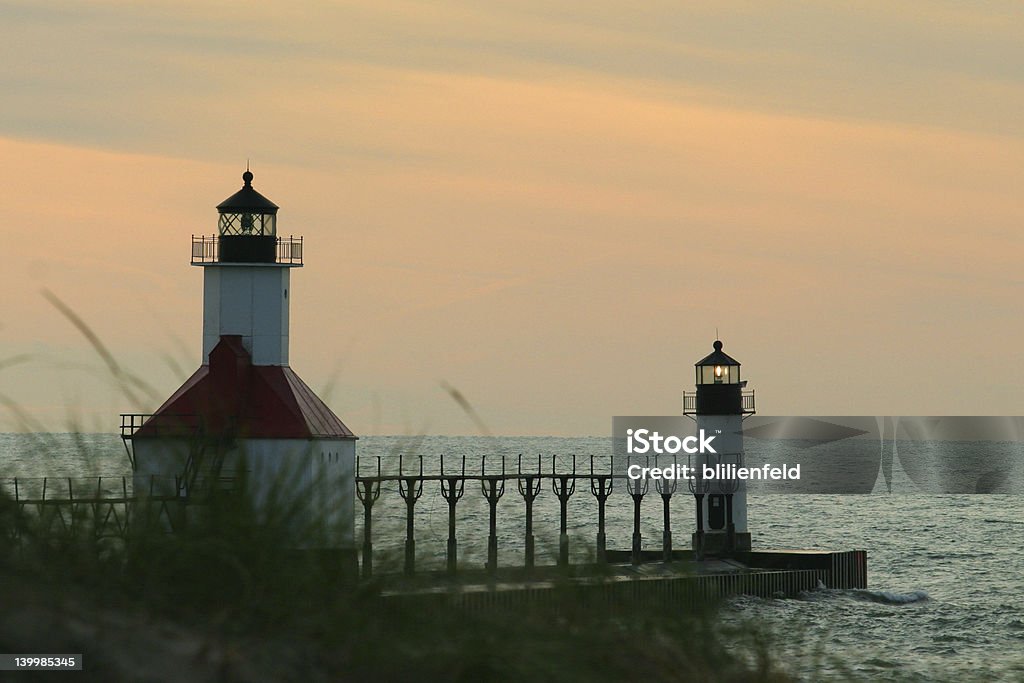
[882, 663]
[822, 592]
[889, 598]
[1002, 521]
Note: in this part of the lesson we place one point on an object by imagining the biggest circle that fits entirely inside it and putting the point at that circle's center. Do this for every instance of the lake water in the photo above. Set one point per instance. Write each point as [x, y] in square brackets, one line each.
[945, 572]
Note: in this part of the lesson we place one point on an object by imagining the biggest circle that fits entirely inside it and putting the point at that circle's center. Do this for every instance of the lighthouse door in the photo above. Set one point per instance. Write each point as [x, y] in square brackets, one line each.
[716, 511]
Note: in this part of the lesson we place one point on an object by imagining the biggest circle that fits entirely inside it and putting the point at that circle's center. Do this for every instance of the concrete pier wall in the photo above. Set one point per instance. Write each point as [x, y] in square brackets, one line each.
[680, 585]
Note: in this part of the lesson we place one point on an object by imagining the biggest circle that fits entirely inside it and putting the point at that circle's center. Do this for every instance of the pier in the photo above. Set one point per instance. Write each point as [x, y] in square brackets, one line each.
[630, 576]
[108, 507]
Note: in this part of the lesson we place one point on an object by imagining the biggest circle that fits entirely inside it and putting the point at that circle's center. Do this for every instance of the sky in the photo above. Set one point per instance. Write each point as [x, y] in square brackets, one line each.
[549, 207]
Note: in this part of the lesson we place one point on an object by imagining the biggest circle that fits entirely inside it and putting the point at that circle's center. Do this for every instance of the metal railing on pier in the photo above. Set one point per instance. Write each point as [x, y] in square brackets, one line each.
[103, 505]
[531, 477]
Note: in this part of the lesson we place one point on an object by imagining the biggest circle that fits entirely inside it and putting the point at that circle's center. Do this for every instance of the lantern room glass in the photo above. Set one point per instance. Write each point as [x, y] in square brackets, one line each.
[248, 223]
[718, 374]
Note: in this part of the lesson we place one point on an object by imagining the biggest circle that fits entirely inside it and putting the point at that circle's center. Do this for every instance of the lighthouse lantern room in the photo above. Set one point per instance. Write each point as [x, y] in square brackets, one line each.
[245, 415]
[248, 226]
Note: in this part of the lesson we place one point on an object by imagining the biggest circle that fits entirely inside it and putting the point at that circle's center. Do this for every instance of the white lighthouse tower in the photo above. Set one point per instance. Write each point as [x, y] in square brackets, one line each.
[245, 417]
[719, 406]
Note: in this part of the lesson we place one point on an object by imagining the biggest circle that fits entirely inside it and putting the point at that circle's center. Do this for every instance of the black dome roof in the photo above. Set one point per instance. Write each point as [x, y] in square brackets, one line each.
[717, 357]
[247, 199]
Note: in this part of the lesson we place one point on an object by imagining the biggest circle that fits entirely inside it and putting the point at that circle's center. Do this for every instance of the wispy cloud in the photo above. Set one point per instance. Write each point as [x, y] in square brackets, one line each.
[542, 200]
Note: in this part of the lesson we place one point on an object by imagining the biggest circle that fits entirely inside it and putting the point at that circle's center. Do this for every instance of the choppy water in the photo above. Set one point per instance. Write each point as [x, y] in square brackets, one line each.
[946, 572]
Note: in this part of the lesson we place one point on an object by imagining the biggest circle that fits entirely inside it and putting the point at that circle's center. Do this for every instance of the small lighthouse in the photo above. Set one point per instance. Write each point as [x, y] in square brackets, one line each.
[245, 415]
[719, 406]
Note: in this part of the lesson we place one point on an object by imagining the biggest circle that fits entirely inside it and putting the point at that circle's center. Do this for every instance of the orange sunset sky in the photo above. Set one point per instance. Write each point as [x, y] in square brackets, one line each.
[549, 206]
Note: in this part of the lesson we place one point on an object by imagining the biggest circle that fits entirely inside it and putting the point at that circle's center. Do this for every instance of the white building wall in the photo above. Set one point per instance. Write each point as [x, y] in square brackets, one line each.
[334, 476]
[316, 476]
[157, 464]
[729, 445]
[310, 481]
[251, 301]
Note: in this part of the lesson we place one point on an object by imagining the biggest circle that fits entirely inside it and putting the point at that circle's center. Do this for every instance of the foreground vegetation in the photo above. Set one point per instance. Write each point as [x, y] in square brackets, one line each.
[225, 600]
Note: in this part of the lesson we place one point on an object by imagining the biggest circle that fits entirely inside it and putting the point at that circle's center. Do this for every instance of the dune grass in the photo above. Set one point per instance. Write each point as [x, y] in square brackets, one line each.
[229, 598]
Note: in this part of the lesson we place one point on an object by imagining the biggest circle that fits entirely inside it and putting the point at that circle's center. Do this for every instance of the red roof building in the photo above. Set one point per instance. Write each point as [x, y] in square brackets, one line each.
[232, 397]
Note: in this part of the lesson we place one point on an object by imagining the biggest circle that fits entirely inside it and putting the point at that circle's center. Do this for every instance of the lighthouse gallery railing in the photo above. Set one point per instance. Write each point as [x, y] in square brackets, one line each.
[746, 403]
[205, 249]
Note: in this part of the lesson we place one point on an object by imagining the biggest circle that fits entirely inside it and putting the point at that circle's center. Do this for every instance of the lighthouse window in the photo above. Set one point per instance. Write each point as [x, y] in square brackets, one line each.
[247, 224]
[286, 294]
[718, 374]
